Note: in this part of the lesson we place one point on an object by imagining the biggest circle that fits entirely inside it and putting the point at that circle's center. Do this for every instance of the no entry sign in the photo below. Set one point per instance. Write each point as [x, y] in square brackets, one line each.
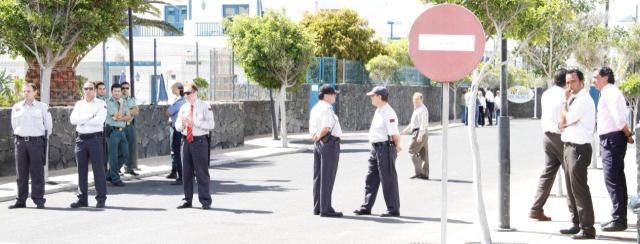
[446, 42]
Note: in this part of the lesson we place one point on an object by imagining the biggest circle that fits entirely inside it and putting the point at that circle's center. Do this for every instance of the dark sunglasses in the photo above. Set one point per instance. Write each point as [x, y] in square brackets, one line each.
[88, 88]
[188, 93]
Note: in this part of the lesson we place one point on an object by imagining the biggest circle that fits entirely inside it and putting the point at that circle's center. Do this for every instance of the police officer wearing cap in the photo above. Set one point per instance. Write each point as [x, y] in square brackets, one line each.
[384, 137]
[118, 146]
[31, 122]
[88, 116]
[325, 132]
[195, 120]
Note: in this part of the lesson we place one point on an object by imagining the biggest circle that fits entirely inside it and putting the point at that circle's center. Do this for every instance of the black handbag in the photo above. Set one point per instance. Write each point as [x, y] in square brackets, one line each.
[415, 133]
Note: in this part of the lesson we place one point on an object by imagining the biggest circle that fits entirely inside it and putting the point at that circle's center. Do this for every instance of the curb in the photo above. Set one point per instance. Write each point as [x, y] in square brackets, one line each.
[71, 186]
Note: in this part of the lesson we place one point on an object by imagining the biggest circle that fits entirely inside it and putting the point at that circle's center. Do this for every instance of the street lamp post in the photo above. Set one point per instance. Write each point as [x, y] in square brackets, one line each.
[390, 23]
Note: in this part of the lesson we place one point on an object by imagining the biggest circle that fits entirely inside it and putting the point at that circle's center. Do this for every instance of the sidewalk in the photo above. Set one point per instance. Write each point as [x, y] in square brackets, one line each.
[253, 148]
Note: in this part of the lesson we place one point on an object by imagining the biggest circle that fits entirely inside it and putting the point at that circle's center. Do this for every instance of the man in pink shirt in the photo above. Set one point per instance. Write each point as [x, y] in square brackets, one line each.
[614, 135]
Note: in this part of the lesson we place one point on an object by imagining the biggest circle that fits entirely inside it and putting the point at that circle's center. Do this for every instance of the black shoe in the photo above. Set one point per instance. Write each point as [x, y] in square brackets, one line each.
[205, 207]
[108, 179]
[390, 214]
[18, 205]
[423, 177]
[100, 205]
[119, 184]
[316, 212]
[573, 230]
[79, 204]
[614, 226]
[414, 177]
[332, 215]
[184, 205]
[131, 172]
[362, 212]
[177, 183]
[583, 236]
[40, 206]
[171, 175]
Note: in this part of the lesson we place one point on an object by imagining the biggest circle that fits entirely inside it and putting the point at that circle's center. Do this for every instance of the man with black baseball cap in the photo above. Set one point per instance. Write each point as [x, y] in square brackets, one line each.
[384, 137]
[325, 131]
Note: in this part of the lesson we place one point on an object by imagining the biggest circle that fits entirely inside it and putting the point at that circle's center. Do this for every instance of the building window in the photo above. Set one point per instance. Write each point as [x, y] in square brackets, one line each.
[230, 10]
[175, 15]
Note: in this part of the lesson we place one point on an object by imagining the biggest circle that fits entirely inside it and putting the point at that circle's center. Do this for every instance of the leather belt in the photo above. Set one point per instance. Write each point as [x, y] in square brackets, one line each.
[382, 143]
[28, 138]
[117, 128]
[89, 135]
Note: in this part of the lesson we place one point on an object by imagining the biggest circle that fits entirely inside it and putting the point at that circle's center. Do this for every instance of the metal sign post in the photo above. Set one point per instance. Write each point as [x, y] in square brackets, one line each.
[445, 161]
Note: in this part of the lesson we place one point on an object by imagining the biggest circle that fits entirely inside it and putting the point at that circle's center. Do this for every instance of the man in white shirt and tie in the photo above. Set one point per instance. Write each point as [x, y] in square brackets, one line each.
[551, 103]
[325, 131]
[614, 135]
[419, 148]
[577, 120]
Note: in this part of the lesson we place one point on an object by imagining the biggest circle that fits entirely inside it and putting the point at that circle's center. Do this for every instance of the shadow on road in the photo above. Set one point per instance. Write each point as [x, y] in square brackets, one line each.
[134, 208]
[242, 211]
[163, 187]
[598, 236]
[89, 209]
[244, 164]
[381, 220]
[454, 181]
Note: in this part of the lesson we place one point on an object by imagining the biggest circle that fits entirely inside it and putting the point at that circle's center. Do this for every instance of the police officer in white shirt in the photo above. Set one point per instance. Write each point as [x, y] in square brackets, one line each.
[385, 139]
[551, 104]
[419, 148]
[31, 122]
[195, 120]
[614, 135]
[577, 120]
[490, 105]
[88, 116]
[325, 131]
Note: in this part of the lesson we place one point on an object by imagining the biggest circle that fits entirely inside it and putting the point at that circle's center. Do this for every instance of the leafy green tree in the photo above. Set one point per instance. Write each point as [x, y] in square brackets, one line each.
[382, 68]
[274, 51]
[631, 90]
[342, 34]
[9, 89]
[399, 51]
[203, 88]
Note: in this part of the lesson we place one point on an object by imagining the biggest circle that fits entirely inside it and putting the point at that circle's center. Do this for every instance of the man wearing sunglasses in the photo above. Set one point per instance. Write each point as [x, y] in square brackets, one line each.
[130, 129]
[118, 146]
[194, 121]
[88, 116]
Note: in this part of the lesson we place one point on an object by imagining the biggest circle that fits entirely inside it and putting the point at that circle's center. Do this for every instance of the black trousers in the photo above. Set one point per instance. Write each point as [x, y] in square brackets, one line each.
[195, 162]
[382, 170]
[325, 166]
[613, 147]
[91, 149]
[554, 155]
[490, 107]
[176, 158]
[29, 156]
[576, 159]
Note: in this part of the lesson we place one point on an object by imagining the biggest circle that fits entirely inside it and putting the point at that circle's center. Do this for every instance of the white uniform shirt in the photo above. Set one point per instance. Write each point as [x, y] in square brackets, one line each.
[467, 96]
[89, 117]
[582, 110]
[383, 125]
[202, 118]
[489, 96]
[551, 104]
[498, 102]
[483, 101]
[611, 110]
[322, 116]
[31, 120]
[420, 119]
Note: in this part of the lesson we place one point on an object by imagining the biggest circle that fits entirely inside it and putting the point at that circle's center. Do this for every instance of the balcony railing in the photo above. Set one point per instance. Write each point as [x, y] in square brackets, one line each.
[146, 31]
[209, 29]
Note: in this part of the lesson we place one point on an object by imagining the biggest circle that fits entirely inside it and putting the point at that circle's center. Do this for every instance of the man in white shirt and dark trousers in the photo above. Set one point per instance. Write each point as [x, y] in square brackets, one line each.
[577, 121]
[31, 123]
[551, 103]
[614, 135]
[88, 116]
[419, 148]
[490, 105]
[385, 139]
[195, 120]
[325, 131]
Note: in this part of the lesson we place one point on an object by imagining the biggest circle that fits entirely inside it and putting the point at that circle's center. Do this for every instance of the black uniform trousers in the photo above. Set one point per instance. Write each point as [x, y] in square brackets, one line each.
[554, 155]
[195, 160]
[325, 166]
[613, 147]
[490, 108]
[29, 156]
[176, 159]
[577, 158]
[91, 148]
[382, 170]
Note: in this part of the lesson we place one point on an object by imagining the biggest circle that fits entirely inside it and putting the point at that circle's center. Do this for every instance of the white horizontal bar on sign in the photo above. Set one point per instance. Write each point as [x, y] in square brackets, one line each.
[438, 42]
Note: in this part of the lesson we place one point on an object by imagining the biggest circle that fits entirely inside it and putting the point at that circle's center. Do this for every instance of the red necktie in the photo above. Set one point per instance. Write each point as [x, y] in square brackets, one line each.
[190, 127]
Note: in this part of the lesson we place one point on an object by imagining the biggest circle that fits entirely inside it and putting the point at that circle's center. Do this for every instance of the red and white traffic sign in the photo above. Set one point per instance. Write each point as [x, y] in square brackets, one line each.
[446, 42]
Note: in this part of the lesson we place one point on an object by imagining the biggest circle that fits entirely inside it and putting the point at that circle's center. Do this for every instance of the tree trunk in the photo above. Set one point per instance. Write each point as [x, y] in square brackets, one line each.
[635, 115]
[283, 114]
[45, 83]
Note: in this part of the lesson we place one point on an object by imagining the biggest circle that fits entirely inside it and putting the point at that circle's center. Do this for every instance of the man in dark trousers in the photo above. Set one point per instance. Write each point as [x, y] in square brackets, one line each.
[384, 137]
[88, 116]
[325, 132]
[31, 122]
[614, 135]
[551, 104]
[176, 137]
[577, 121]
[195, 120]
[118, 146]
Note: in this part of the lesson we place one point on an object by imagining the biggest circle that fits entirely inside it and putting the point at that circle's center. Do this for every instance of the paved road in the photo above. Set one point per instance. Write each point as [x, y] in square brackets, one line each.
[269, 201]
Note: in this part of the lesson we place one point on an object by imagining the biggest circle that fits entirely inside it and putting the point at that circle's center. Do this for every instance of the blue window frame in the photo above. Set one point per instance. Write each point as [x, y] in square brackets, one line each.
[175, 15]
[230, 10]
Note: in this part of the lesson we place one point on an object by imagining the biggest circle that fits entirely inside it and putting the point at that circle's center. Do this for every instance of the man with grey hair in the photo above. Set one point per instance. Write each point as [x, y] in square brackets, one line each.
[419, 148]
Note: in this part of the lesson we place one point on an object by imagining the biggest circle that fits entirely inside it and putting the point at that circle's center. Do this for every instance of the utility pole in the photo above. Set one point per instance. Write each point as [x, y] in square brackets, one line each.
[133, 93]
